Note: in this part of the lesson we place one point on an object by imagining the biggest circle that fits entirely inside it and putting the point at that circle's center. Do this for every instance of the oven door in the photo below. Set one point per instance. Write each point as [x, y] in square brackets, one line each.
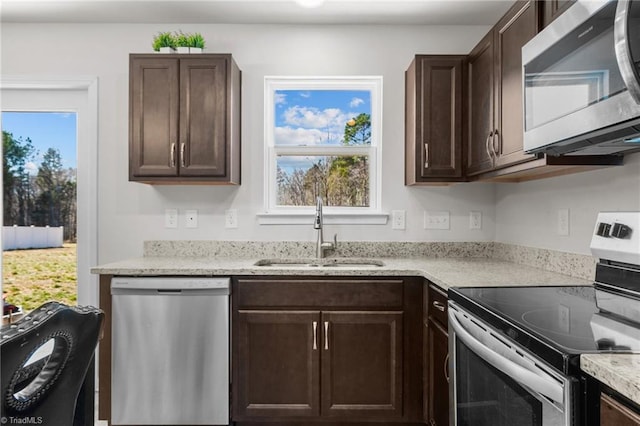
[496, 383]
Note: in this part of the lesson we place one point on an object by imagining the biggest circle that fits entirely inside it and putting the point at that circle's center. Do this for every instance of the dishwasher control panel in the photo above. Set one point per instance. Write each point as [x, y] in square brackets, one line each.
[170, 283]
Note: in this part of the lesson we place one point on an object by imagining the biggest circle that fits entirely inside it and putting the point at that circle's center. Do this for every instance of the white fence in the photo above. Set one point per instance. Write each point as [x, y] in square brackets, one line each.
[26, 237]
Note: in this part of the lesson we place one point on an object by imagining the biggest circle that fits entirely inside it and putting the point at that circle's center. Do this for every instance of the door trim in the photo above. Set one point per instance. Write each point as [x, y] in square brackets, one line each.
[87, 172]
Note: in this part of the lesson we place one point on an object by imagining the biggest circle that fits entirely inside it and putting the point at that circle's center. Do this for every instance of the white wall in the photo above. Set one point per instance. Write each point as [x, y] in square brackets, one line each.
[527, 213]
[130, 213]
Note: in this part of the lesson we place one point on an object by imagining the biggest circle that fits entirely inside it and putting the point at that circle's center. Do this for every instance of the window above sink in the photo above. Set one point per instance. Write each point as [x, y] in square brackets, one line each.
[323, 138]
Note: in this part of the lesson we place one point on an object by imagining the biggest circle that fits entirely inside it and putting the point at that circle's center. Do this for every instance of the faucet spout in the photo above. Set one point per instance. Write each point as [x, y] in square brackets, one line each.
[321, 245]
[317, 224]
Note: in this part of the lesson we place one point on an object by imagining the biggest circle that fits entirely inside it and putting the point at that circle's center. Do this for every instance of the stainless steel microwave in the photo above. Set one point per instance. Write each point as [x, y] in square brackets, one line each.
[581, 81]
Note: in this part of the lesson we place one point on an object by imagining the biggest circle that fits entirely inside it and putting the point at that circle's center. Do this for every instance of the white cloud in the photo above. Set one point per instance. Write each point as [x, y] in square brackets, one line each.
[280, 98]
[31, 168]
[314, 118]
[305, 94]
[355, 102]
[298, 136]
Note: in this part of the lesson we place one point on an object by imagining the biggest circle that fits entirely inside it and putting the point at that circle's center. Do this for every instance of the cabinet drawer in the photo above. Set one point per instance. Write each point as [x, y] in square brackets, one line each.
[437, 305]
[318, 293]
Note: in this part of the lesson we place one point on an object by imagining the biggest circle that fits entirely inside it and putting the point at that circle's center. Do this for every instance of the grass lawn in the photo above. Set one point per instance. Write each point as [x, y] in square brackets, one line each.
[32, 277]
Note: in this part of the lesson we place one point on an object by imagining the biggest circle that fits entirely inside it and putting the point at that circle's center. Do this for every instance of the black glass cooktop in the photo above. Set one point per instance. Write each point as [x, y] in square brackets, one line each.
[555, 323]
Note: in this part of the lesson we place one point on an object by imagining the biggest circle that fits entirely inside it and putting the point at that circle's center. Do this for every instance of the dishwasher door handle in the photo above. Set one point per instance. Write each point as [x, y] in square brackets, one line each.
[169, 291]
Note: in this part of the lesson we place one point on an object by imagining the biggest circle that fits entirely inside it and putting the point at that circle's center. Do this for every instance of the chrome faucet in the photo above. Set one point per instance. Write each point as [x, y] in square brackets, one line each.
[321, 245]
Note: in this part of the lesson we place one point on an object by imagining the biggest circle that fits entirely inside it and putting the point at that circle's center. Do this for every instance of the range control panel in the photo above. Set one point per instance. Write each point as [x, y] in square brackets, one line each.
[617, 237]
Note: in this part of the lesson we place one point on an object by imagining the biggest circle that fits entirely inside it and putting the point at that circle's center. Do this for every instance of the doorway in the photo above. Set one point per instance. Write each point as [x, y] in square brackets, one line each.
[78, 97]
[39, 233]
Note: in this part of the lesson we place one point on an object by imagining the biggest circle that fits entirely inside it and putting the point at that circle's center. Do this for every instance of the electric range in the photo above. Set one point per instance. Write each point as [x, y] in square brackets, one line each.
[527, 341]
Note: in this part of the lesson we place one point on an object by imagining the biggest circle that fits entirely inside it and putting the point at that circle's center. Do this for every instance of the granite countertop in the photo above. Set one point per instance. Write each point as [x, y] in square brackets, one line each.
[444, 272]
[444, 264]
[621, 372]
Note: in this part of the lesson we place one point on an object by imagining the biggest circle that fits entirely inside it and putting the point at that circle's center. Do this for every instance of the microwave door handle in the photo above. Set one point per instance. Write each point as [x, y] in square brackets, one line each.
[623, 51]
[537, 380]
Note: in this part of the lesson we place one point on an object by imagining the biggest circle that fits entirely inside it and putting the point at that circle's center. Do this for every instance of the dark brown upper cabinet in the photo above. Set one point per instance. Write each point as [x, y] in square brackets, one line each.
[433, 119]
[494, 113]
[494, 105]
[184, 119]
[551, 9]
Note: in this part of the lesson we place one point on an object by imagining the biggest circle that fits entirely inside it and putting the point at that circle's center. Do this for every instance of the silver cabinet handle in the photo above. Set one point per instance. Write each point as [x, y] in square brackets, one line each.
[173, 155]
[486, 145]
[438, 305]
[326, 335]
[315, 335]
[182, 159]
[426, 155]
[496, 136]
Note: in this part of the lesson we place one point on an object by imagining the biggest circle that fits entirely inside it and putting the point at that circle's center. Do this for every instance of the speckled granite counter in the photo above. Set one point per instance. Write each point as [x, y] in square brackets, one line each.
[445, 264]
[621, 372]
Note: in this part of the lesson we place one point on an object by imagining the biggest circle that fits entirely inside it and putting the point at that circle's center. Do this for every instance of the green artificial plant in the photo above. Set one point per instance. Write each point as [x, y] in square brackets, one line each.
[163, 39]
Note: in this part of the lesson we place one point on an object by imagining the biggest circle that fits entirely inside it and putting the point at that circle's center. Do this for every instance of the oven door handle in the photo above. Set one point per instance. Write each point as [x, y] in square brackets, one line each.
[533, 378]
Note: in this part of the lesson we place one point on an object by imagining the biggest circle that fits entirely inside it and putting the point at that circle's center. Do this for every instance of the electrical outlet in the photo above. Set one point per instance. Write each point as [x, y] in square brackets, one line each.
[475, 220]
[563, 222]
[231, 218]
[436, 220]
[171, 218]
[398, 219]
[191, 218]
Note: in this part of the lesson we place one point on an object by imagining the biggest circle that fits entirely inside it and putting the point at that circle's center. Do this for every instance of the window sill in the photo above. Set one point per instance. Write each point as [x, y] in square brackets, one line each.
[328, 218]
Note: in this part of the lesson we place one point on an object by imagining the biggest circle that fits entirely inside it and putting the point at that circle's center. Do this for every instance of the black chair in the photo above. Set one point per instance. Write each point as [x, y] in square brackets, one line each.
[42, 384]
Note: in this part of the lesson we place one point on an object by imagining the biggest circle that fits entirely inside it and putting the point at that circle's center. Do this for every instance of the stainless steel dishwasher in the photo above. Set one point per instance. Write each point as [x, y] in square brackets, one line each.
[170, 351]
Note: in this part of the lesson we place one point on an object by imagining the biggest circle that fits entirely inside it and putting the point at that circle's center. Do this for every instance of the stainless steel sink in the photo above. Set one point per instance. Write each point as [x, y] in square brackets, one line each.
[338, 262]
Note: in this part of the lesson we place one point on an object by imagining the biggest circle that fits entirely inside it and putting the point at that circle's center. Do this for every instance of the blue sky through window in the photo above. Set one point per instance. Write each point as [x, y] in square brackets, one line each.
[316, 117]
[46, 130]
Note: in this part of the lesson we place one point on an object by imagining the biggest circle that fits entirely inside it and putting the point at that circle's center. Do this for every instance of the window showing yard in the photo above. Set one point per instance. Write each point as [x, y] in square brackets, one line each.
[323, 140]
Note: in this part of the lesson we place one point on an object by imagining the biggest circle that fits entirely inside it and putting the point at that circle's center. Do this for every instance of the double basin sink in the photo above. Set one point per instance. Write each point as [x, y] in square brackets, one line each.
[338, 262]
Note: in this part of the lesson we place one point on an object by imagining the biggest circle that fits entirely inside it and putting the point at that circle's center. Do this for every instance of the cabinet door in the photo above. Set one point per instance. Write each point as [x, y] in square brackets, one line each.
[434, 128]
[613, 413]
[438, 373]
[153, 121]
[362, 365]
[203, 117]
[513, 31]
[480, 82]
[551, 9]
[278, 364]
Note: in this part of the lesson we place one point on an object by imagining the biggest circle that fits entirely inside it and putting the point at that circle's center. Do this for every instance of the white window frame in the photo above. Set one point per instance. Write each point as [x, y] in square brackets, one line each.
[274, 214]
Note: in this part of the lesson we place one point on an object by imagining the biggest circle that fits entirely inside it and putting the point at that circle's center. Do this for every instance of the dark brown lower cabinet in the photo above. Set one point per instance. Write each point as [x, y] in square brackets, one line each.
[362, 364]
[614, 413]
[328, 351]
[280, 376]
[288, 356]
[436, 362]
[438, 343]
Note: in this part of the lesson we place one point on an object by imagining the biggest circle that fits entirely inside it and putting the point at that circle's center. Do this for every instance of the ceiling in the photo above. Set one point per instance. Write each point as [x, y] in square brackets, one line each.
[399, 12]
